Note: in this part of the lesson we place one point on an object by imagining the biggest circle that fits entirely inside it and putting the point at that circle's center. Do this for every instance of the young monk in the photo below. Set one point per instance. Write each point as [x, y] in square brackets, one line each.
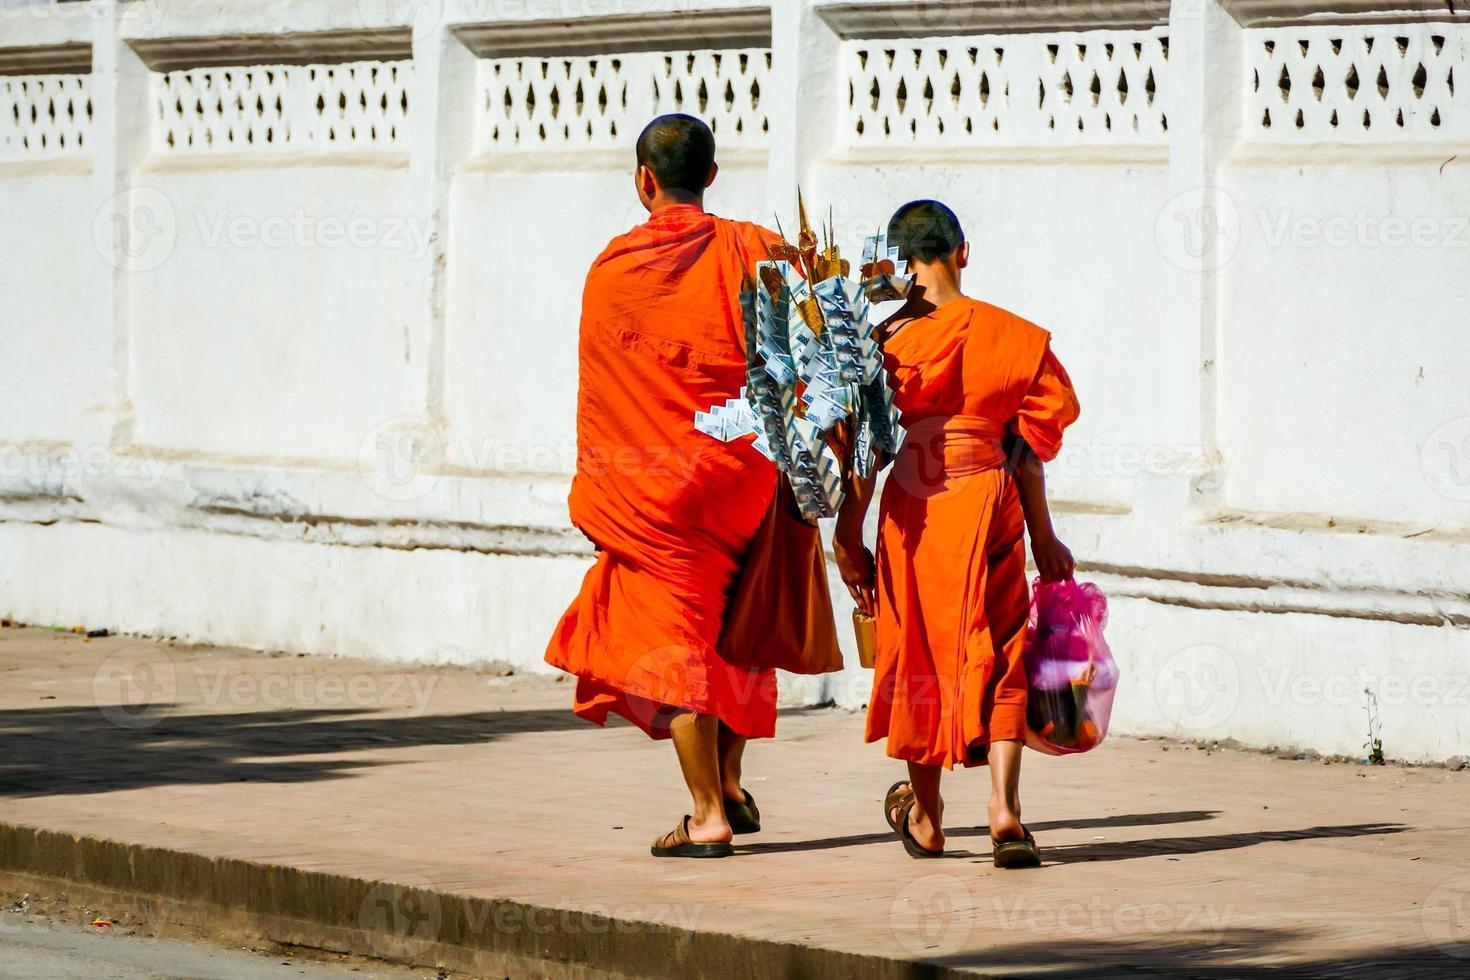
[984, 402]
[671, 511]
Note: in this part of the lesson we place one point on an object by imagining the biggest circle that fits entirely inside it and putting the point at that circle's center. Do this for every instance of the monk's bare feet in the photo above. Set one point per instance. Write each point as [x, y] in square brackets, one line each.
[927, 829]
[709, 829]
[1005, 822]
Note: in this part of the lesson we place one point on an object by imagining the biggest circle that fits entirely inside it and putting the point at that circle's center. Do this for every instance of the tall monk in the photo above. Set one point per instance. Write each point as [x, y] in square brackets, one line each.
[671, 511]
[984, 402]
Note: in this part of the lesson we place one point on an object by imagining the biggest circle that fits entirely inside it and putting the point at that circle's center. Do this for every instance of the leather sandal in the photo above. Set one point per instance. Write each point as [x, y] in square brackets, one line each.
[913, 847]
[676, 844]
[743, 818]
[1023, 853]
[895, 799]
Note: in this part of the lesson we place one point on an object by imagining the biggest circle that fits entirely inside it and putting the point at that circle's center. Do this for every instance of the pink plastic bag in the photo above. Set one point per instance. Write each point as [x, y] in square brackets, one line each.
[1070, 671]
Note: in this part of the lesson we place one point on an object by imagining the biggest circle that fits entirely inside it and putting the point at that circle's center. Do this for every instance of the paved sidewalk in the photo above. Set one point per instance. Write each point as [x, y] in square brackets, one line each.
[516, 827]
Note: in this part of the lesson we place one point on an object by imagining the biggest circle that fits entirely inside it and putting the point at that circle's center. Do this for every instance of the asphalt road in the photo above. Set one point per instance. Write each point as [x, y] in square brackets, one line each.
[40, 948]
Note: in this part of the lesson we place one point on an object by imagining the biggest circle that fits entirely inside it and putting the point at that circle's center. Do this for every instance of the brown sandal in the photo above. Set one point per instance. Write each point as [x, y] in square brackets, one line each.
[905, 802]
[676, 844]
[1023, 853]
[895, 800]
[743, 818]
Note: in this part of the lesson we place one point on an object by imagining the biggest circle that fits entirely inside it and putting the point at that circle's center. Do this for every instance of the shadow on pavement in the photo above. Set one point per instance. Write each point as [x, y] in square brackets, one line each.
[1080, 823]
[69, 750]
[77, 750]
[1123, 850]
[1109, 850]
[1229, 953]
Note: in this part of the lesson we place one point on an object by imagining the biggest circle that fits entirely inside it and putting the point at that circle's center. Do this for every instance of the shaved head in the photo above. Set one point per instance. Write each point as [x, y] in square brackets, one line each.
[680, 150]
[924, 231]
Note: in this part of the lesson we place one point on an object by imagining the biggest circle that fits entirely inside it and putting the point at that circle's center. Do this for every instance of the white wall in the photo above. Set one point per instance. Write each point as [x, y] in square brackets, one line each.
[1348, 304]
[307, 382]
[300, 289]
[49, 280]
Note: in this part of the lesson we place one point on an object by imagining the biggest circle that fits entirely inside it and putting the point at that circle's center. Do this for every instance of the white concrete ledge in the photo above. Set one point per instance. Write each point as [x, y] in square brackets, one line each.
[264, 520]
[1247, 563]
[146, 487]
[457, 13]
[63, 166]
[75, 56]
[274, 160]
[1442, 155]
[1278, 598]
[330, 47]
[946, 18]
[1273, 13]
[692, 30]
[1036, 155]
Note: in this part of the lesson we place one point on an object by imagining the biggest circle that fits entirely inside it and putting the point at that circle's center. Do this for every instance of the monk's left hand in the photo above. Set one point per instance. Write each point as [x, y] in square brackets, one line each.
[1054, 562]
[859, 573]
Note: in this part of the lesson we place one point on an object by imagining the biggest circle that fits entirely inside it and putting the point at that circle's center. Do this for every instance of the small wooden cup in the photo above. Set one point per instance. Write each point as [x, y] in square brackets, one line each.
[867, 637]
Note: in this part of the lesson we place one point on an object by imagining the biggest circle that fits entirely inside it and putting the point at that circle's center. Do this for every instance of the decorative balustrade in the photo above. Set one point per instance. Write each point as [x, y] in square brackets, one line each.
[320, 108]
[603, 100]
[44, 116]
[1358, 83]
[1007, 89]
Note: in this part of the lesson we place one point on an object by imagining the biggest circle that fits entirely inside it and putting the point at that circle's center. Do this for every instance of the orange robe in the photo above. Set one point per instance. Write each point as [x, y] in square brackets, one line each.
[671, 510]
[952, 594]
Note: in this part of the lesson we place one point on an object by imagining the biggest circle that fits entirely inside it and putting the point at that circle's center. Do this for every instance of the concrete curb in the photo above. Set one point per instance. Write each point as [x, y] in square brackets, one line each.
[402, 923]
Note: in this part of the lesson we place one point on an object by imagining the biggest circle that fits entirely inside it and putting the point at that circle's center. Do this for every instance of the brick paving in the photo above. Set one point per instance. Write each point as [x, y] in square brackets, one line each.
[1160, 857]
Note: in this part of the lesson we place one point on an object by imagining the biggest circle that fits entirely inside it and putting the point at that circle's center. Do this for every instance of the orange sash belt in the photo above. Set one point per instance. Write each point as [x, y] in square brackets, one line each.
[942, 448]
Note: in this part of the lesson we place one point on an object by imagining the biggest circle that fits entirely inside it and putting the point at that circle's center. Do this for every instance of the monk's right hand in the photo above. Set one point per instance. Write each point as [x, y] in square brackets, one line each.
[1054, 562]
[859, 573]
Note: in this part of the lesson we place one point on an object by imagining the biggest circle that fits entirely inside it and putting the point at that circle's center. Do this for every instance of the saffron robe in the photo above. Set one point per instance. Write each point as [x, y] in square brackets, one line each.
[952, 598]
[671, 510]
